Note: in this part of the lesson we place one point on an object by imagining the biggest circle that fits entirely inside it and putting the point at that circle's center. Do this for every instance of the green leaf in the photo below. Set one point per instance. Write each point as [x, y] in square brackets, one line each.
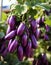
[21, 9]
[4, 16]
[44, 6]
[1, 34]
[48, 22]
[32, 12]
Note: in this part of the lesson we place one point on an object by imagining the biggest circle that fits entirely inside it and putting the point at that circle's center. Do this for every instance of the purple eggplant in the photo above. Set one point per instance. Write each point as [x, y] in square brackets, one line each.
[12, 22]
[2, 48]
[46, 37]
[33, 25]
[38, 20]
[34, 41]
[42, 19]
[28, 49]
[24, 40]
[5, 52]
[32, 52]
[20, 53]
[10, 41]
[10, 35]
[47, 28]
[27, 31]
[8, 30]
[21, 29]
[13, 46]
[38, 33]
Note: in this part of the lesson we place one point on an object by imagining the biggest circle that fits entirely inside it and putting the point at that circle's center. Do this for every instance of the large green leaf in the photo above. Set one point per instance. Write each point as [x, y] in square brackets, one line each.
[21, 9]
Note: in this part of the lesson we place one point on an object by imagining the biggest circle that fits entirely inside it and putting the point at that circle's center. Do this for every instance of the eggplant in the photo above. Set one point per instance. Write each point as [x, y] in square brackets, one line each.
[10, 35]
[21, 29]
[13, 46]
[20, 53]
[24, 40]
[34, 41]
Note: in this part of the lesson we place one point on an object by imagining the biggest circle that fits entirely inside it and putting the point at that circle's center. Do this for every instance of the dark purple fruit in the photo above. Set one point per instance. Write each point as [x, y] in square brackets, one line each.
[34, 41]
[33, 25]
[24, 40]
[37, 33]
[46, 37]
[12, 22]
[47, 28]
[21, 29]
[10, 35]
[5, 52]
[2, 48]
[10, 41]
[42, 19]
[28, 49]
[20, 53]
[27, 31]
[8, 30]
[32, 52]
[13, 46]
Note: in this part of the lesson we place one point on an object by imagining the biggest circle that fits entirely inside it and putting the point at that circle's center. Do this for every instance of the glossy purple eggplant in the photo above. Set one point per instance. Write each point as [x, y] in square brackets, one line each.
[37, 33]
[10, 41]
[24, 40]
[10, 35]
[28, 49]
[43, 19]
[21, 29]
[20, 53]
[34, 41]
[8, 30]
[27, 31]
[13, 46]
[33, 25]
[12, 22]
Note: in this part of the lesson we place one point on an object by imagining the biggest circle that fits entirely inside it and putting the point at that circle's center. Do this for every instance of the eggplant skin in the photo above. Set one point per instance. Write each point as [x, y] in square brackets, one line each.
[13, 46]
[34, 41]
[10, 35]
[21, 29]
[20, 53]
[24, 40]
[12, 21]
[28, 49]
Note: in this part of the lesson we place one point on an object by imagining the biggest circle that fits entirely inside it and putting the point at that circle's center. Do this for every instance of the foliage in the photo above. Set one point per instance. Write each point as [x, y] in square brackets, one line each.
[24, 9]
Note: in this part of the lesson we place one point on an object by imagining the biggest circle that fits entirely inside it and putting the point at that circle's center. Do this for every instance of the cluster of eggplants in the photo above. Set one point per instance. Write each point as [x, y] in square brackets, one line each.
[41, 60]
[23, 38]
